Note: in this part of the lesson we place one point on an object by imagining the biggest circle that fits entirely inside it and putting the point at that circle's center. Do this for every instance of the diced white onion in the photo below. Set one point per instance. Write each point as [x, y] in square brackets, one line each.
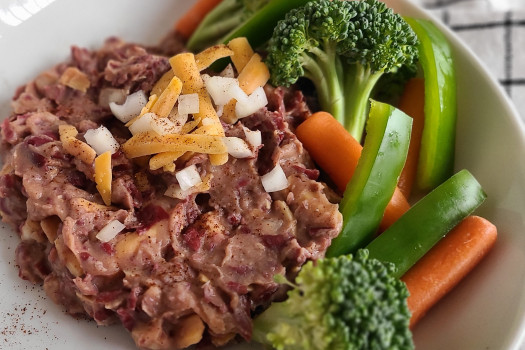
[228, 72]
[163, 126]
[220, 110]
[252, 104]
[152, 122]
[101, 140]
[275, 180]
[108, 95]
[253, 137]
[130, 108]
[223, 89]
[188, 177]
[142, 124]
[188, 104]
[178, 120]
[237, 93]
[237, 147]
[174, 191]
[110, 231]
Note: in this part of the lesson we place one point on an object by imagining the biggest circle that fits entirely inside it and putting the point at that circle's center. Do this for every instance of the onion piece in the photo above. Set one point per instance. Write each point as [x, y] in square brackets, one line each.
[220, 110]
[252, 104]
[223, 89]
[109, 231]
[130, 108]
[163, 126]
[275, 180]
[174, 190]
[178, 120]
[188, 104]
[237, 148]
[228, 72]
[188, 177]
[108, 95]
[101, 140]
[254, 137]
[152, 122]
[142, 124]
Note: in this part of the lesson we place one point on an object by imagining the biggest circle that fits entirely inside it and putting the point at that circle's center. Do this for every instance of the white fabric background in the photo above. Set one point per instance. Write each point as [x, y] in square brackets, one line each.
[495, 31]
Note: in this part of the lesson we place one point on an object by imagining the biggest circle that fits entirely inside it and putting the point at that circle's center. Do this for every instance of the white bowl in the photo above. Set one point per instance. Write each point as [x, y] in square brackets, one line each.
[486, 311]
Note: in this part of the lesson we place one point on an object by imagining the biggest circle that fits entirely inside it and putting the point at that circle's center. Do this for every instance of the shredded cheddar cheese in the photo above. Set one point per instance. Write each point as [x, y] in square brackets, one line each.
[103, 176]
[167, 99]
[162, 83]
[74, 146]
[192, 129]
[253, 75]
[148, 143]
[66, 130]
[185, 67]
[164, 159]
[205, 58]
[75, 79]
[242, 52]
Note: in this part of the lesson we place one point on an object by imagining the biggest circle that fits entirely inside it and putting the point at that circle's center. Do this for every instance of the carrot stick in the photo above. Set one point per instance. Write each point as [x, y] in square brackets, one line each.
[397, 206]
[412, 102]
[337, 153]
[447, 263]
[187, 24]
[331, 146]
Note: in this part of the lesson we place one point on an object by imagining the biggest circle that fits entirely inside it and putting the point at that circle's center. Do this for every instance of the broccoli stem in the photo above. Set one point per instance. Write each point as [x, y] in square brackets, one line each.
[359, 83]
[322, 67]
[221, 20]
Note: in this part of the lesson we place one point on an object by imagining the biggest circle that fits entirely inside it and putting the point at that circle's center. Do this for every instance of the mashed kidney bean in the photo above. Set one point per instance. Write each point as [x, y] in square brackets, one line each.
[183, 270]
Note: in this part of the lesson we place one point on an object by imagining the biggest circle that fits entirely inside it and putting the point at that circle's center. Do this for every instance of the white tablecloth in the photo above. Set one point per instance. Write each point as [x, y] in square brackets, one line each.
[495, 31]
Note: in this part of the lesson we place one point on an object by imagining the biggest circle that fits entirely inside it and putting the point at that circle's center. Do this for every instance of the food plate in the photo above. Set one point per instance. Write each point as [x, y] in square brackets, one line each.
[486, 311]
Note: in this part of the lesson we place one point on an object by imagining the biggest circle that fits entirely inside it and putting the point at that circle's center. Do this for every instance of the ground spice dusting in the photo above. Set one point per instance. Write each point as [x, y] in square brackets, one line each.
[169, 243]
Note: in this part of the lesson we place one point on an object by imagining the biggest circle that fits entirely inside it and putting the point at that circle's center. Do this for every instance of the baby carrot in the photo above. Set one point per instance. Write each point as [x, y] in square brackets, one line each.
[331, 146]
[187, 24]
[447, 263]
[412, 102]
[397, 206]
[337, 153]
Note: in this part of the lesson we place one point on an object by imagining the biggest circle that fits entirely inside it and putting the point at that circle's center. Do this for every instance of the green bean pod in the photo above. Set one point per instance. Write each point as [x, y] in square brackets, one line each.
[429, 220]
[258, 28]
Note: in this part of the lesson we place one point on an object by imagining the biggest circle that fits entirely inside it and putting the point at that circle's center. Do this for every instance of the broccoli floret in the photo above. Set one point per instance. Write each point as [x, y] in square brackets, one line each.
[225, 17]
[391, 85]
[343, 47]
[339, 303]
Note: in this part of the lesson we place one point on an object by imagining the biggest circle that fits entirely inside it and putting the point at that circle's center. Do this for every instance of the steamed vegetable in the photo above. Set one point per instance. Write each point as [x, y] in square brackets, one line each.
[328, 143]
[412, 102]
[436, 158]
[447, 263]
[348, 302]
[343, 47]
[427, 221]
[222, 19]
[187, 24]
[241, 18]
[375, 178]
